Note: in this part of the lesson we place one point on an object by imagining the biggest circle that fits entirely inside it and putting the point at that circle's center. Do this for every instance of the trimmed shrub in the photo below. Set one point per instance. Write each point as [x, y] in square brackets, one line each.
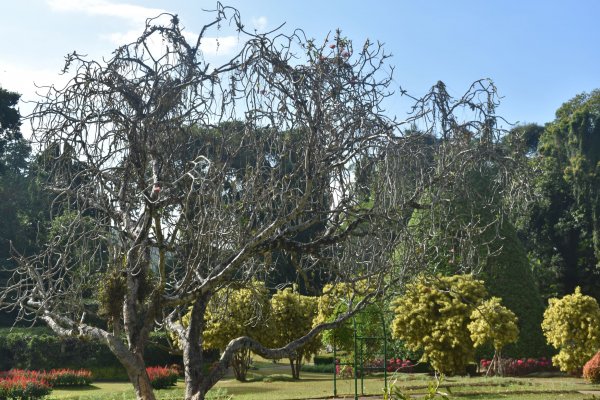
[492, 322]
[323, 360]
[318, 368]
[591, 369]
[22, 387]
[162, 377]
[572, 325]
[433, 315]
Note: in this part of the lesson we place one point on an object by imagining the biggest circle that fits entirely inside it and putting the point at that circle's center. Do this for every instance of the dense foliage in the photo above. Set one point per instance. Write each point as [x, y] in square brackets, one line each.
[492, 252]
[433, 315]
[40, 349]
[562, 229]
[572, 325]
[23, 208]
[507, 274]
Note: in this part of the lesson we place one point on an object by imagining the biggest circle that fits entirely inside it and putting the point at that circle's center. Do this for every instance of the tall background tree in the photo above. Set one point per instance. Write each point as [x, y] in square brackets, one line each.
[561, 231]
[22, 209]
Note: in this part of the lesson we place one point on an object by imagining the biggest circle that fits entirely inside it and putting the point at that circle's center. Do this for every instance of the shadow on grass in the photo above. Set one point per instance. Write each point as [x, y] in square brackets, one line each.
[281, 378]
[74, 389]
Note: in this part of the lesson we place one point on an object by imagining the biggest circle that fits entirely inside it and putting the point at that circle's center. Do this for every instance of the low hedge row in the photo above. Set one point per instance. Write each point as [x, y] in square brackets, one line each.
[323, 360]
[40, 349]
[318, 368]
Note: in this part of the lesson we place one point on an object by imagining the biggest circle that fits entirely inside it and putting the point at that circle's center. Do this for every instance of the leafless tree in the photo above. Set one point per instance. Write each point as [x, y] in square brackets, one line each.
[175, 178]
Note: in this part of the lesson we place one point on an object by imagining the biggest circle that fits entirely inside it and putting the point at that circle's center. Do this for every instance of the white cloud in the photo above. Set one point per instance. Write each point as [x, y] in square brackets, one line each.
[121, 38]
[23, 79]
[210, 46]
[137, 15]
[260, 23]
[214, 46]
[131, 12]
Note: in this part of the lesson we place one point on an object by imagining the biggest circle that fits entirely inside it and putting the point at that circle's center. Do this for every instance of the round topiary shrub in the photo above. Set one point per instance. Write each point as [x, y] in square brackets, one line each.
[591, 369]
[572, 325]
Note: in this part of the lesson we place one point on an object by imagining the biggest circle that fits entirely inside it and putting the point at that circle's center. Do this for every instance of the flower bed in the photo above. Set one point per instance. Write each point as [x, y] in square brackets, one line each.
[162, 377]
[377, 365]
[54, 377]
[521, 366]
[22, 387]
[392, 365]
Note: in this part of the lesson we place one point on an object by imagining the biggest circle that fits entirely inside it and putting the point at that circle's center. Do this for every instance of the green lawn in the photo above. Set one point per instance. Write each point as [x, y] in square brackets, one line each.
[273, 382]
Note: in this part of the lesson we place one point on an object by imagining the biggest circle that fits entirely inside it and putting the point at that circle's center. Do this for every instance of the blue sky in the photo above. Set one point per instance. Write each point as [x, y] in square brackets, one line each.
[539, 53]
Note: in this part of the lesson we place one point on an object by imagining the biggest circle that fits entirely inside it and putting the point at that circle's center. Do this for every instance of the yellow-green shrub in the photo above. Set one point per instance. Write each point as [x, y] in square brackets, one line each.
[292, 316]
[232, 313]
[433, 315]
[491, 322]
[572, 325]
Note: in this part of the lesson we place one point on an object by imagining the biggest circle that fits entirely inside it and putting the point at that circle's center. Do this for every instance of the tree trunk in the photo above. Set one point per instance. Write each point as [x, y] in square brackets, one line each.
[500, 364]
[135, 367]
[141, 382]
[296, 364]
[193, 359]
[240, 364]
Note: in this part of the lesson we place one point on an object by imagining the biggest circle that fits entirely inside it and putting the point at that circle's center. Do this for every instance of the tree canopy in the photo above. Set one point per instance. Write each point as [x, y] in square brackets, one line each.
[562, 229]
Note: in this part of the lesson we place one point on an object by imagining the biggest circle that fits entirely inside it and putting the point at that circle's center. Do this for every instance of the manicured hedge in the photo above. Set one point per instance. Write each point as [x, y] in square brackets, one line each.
[323, 360]
[40, 349]
[318, 368]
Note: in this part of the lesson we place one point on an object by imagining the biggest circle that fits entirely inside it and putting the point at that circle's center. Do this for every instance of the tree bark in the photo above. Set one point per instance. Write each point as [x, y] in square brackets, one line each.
[296, 364]
[139, 378]
[193, 359]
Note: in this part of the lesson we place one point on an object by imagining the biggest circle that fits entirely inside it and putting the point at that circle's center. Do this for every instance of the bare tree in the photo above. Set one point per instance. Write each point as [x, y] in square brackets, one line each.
[175, 178]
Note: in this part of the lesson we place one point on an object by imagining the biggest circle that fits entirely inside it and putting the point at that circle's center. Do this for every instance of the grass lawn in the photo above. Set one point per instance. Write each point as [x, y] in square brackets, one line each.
[273, 382]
